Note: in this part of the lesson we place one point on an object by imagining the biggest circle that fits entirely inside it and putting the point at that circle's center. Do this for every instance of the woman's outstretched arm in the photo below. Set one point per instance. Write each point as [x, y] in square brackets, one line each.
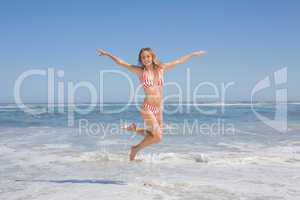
[133, 68]
[183, 59]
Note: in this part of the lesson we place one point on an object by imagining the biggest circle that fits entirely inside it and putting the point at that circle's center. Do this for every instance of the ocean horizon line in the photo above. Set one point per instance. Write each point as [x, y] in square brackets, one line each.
[166, 102]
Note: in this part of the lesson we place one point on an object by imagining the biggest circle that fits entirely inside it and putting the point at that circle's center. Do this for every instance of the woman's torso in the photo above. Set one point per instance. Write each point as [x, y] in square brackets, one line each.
[152, 82]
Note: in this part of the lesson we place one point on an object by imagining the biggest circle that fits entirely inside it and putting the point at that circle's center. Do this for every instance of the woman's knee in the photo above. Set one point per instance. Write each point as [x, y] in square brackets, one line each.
[157, 136]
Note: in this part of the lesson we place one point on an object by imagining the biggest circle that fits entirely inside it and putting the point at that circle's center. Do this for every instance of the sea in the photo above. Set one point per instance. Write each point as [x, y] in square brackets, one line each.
[238, 150]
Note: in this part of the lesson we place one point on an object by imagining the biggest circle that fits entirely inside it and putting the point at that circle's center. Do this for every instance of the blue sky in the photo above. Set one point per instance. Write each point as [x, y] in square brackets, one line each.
[246, 41]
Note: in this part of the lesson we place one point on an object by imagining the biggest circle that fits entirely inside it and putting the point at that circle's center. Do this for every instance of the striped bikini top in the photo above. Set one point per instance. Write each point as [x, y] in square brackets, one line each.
[148, 80]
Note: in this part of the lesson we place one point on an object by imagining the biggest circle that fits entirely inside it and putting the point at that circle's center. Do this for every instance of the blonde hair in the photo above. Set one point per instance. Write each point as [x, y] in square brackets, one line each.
[156, 63]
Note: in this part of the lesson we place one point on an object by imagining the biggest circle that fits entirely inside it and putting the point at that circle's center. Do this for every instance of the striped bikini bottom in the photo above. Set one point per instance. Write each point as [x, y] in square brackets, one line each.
[153, 108]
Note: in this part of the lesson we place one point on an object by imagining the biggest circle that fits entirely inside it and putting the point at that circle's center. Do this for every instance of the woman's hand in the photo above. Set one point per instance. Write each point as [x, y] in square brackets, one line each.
[198, 53]
[135, 69]
[101, 52]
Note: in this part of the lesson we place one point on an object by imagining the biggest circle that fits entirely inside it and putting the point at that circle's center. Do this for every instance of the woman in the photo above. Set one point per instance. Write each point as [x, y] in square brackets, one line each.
[150, 73]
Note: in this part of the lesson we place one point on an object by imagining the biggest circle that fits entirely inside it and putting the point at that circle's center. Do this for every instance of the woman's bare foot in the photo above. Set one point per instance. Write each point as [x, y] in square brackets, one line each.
[131, 127]
[133, 152]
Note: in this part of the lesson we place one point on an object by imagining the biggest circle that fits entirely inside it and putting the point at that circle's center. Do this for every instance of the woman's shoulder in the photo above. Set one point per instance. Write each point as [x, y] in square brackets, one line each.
[160, 67]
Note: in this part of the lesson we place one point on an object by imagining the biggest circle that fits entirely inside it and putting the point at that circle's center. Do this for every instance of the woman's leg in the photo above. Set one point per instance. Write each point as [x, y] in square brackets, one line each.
[159, 118]
[144, 132]
[154, 137]
[140, 131]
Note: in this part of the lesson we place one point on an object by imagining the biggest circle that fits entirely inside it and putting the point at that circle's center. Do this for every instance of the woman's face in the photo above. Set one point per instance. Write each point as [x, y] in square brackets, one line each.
[146, 58]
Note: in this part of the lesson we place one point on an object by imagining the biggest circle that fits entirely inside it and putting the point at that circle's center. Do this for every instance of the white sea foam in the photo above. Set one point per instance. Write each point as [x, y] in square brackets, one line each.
[54, 163]
[6, 150]
[55, 146]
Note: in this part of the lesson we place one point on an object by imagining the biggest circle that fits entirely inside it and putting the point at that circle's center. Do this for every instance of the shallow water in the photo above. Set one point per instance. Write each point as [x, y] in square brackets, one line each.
[41, 157]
